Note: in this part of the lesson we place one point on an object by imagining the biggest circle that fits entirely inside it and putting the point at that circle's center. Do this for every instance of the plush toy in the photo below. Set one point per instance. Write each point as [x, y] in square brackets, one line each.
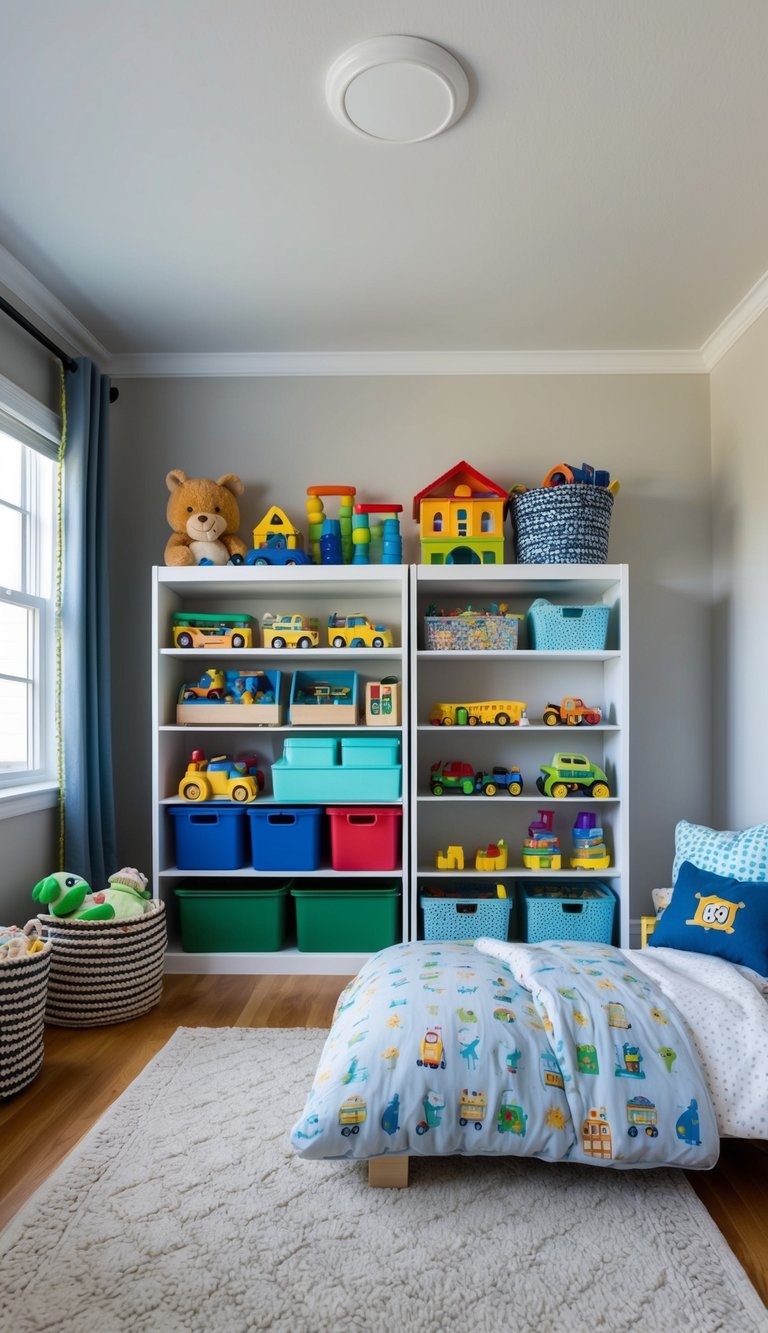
[205, 517]
[69, 895]
[127, 893]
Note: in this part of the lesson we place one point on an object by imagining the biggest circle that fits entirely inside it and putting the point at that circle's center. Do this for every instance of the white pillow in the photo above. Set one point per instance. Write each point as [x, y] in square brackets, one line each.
[741, 856]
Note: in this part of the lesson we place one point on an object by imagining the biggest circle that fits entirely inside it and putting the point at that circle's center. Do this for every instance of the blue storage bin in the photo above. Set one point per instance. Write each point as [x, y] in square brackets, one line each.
[567, 628]
[285, 839]
[464, 916]
[210, 836]
[311, 751]
[558, 912]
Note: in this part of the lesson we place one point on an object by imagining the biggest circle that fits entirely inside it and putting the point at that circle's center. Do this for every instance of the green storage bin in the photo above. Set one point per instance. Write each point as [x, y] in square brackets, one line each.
[346, 920]
[233, 920]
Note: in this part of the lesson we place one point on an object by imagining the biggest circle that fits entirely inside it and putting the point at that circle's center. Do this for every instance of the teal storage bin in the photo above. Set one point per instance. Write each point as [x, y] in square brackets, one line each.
[369, 751]
[210, 836]
[311, 751]
[346, 918]
[337, 783]
[233, 920]
[559, 912]
[567, 628]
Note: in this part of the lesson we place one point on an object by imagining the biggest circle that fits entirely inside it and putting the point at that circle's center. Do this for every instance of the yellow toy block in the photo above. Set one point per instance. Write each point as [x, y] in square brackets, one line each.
[494, 857]
[453, 859]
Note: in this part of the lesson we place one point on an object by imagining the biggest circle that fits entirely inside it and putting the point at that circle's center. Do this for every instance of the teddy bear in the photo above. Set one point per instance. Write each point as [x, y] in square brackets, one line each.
[205, 516]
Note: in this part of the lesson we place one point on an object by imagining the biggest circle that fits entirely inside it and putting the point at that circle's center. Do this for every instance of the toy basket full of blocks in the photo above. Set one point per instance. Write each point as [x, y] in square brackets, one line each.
[567, 520]
[25, 962]
[107, 961]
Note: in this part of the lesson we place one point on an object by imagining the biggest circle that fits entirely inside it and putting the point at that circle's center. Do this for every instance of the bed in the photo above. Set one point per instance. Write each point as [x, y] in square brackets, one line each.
[564, 1051]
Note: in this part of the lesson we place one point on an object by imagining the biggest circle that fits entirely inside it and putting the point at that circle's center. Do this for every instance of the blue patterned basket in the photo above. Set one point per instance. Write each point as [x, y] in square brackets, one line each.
[562, 525]
[465, 918]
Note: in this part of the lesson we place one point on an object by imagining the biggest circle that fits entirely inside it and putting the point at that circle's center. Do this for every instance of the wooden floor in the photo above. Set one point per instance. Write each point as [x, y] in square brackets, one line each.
[85, 1070]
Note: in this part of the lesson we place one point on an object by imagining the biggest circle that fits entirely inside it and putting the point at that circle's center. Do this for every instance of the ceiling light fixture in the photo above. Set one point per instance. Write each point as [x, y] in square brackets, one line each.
[400, 89]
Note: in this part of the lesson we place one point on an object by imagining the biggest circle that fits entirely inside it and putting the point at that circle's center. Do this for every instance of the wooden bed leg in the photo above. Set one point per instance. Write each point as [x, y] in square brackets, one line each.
[388, 1173]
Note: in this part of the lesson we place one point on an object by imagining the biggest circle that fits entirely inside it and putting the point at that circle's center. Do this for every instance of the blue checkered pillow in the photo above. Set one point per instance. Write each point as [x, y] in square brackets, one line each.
[740, 856]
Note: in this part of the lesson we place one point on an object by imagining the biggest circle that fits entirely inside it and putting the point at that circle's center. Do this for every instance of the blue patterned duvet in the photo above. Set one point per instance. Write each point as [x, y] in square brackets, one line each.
[558, 1051]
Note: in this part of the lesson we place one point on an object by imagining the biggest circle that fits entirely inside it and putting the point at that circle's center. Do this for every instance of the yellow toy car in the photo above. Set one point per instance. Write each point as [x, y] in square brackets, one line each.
[207, 778]
[356, 631]
[294, 631]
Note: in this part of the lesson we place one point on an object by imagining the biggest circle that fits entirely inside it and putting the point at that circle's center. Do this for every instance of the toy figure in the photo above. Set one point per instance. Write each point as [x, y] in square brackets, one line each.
[204, 516]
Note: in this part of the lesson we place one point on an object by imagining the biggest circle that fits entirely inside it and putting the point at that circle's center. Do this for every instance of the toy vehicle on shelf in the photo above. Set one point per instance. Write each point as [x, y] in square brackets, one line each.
[356, 631]
[571, 712]
[239, 780]
[294, 631]
[454, 776]
[497, 712]
[275, 551]
[572, 773]
[211, 685]
[212, 631]
[499, 779]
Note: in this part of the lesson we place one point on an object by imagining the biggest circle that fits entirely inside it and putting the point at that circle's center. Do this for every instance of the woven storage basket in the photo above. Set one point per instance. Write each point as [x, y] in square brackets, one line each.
[23, 988]
[562, 525]
[104, 971]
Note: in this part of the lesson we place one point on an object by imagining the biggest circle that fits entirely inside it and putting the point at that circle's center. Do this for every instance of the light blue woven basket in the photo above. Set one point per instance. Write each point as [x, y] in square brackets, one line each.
[567, 628]
[465, 918]
[569, 917]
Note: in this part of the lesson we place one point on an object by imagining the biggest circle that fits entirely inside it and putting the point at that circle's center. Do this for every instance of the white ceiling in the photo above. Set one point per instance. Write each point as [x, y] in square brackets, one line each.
[171, 173]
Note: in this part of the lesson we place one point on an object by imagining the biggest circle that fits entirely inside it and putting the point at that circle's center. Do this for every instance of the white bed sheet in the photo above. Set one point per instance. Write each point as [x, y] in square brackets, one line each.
[725, 1009]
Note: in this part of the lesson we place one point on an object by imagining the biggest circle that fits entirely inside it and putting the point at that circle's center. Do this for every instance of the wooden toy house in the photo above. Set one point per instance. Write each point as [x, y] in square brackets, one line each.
[461, 517]
[277, 523]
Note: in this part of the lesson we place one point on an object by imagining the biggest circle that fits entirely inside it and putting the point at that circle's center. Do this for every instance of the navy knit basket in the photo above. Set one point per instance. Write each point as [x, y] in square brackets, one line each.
[562, 525]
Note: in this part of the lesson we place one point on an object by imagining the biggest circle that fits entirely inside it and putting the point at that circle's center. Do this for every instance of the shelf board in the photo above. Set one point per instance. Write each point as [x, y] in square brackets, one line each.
[332, 581]
[573, 581]
[264, 729]
[261, 801]
[435, 729]
[517, 654]
[304, 655]
[248, 872]
[519, 872]
[559, 804]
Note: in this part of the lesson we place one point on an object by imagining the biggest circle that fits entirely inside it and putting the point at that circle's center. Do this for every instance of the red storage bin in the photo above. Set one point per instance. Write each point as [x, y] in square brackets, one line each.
[365, 837]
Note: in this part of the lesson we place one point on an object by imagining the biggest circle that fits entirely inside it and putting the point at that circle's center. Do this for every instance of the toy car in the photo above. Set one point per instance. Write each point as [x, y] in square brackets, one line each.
[293, 631]
[499, 779]
[206, 631]
[275, 551]
[211, 685]
[572, 773]
[206, 778]
[571, 712]
[356, 631]
[455, 777]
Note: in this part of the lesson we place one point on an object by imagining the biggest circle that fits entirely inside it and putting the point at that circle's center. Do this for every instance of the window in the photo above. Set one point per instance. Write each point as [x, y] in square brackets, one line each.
[28, 479]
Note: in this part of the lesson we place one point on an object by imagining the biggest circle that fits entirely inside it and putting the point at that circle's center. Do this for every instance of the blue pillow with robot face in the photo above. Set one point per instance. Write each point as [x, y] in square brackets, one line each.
[714, 914]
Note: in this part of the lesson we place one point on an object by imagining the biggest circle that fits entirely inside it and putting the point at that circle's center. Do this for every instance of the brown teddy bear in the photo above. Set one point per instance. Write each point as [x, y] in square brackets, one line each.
[205, 517]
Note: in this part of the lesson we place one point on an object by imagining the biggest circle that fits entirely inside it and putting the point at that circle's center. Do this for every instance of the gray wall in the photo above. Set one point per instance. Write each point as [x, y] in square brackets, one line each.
[739, 394]
[392, 436]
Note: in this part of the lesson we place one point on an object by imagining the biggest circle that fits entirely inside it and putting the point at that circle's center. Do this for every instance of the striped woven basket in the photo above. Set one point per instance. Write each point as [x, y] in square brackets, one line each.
[23, 987]
[104, 971]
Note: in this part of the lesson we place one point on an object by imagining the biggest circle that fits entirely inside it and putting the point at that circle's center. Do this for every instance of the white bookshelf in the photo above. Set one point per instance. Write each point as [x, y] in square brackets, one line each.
[379, 591]
[537, 678]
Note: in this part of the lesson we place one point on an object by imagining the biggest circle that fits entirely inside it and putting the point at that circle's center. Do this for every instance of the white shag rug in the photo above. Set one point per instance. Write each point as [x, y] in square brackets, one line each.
[184, 1210]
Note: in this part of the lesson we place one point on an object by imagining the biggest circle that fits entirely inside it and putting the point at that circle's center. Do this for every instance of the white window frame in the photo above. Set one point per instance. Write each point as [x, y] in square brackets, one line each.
[32, 423]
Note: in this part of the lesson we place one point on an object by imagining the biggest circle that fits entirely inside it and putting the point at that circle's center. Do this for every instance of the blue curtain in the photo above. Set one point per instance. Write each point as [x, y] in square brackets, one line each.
[88, 804]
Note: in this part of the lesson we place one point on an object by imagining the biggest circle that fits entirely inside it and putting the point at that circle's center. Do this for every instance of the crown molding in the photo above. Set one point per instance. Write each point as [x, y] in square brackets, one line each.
[173, 365]
[39, 301]
[743, 315]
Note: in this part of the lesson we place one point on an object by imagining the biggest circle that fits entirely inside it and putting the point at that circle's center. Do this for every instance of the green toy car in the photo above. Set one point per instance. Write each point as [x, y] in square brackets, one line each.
[572, 773]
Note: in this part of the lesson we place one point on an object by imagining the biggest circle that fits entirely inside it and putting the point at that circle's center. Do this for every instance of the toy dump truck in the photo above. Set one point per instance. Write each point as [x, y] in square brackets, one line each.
[571, 712]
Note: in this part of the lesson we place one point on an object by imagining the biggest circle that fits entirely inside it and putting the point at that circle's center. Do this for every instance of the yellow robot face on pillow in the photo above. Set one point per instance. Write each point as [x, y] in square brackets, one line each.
[715, 913]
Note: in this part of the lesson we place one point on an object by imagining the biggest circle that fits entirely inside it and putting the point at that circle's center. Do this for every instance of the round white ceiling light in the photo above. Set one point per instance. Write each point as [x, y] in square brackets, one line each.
[400, 89]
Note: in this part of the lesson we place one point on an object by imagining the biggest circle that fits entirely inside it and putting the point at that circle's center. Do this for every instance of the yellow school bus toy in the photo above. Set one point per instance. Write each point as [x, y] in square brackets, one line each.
[487, 713]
